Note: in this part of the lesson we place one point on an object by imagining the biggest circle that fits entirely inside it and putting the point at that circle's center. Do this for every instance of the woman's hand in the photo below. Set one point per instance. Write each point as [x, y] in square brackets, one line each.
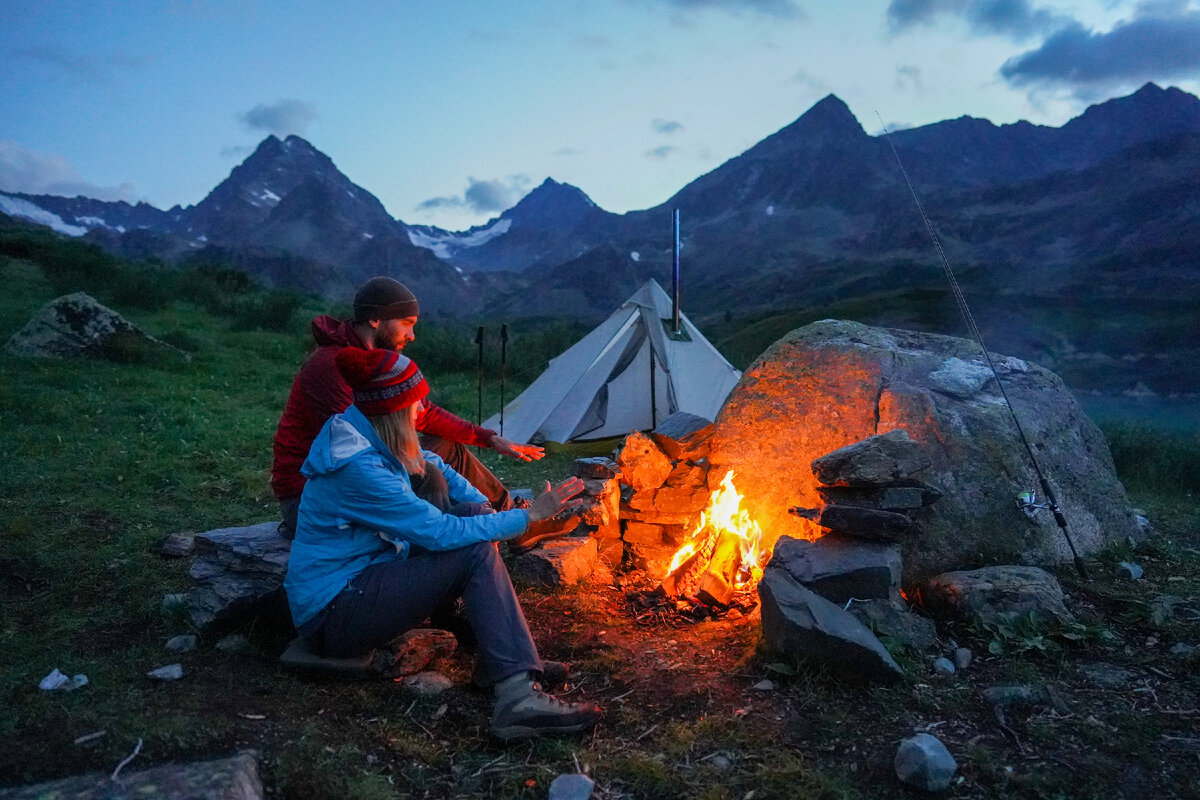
[555, 499]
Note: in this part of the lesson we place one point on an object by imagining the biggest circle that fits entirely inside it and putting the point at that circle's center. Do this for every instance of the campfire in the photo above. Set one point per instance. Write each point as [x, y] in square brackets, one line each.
[720, 566]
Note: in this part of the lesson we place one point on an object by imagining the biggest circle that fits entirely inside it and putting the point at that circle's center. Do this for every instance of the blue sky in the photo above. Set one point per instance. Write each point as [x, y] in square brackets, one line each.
[449, 111]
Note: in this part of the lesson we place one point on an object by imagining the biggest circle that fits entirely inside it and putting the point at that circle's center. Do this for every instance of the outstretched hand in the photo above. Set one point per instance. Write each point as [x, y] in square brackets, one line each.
[525, 452]
[556, 499]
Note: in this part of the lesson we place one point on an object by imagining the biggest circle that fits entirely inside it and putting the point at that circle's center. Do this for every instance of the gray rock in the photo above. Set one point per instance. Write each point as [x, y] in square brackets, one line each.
[235, 644]
[874, 461]
[1182, 650]
[558, 562]
[910, 495]
[865, 523]
[721, 761]
[428, 683]
[943, 666]
[1107, 676]
[171, 672]
[237, 572]
[77, 326]
[895, 624]
[962, 657]
[571, 787]
[764, 686]
[235, 778]
[177, 545]
[298, 656]
[922, 761]
[994, 591]
[839, 569]
[833, 383]
[598, 468]
[680, 433]
[960, 378]
[184, 643]
[1129, 571]
[799, 622]
[1022, 695]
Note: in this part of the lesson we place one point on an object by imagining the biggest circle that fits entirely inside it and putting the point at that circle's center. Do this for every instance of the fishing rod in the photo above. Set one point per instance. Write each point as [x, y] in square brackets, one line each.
[1026, 500]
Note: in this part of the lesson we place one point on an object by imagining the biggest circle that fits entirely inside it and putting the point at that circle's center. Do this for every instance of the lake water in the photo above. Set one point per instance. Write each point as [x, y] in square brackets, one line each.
[1179, 414]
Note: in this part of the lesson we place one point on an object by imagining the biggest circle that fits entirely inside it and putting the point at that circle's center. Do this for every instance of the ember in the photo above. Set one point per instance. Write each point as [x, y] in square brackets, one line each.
[722, 558]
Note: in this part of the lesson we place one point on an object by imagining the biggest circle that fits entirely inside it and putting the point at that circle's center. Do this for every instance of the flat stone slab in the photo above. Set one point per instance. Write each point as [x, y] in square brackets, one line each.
[408, 654]
[235, 572]
[839, 569]
[874, 461]
[235, 778]
[681, 432]
[299, 656]
[559, 562]
[804, 624]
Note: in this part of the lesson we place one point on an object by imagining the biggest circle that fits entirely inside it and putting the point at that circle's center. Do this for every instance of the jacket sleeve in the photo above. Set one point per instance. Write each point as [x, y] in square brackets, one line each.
[376, 497]
[440, 422]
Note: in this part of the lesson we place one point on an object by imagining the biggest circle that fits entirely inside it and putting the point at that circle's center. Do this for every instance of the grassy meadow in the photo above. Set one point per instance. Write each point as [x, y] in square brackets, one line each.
[104, 458]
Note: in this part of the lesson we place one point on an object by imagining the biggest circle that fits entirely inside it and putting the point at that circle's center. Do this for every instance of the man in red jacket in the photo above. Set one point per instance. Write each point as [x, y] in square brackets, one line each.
[385, 312]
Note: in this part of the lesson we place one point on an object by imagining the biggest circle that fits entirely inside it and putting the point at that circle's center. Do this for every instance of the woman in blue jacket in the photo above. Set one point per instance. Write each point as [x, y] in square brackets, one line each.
[372, 559]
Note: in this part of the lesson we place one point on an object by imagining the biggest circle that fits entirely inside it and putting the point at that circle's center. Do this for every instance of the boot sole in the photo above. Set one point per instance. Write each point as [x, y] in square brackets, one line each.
[512, 733]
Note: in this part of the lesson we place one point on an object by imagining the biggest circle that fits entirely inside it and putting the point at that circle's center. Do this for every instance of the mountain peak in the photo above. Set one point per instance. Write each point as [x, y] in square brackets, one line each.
[551, 200]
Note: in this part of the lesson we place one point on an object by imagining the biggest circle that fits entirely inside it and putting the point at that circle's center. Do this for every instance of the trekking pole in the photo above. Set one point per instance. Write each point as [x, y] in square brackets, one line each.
[503, 362]
[479, 377]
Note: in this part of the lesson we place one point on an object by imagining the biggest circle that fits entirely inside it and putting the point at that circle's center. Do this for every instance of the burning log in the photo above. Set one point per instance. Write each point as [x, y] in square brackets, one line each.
[717, 585]
[683, 579]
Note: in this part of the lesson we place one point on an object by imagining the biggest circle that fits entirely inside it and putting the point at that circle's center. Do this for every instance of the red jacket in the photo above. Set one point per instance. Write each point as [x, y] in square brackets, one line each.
[319, 392]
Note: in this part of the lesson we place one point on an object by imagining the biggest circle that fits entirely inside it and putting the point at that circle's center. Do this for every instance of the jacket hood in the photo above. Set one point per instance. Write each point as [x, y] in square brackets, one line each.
[344, 437]
[328, 330]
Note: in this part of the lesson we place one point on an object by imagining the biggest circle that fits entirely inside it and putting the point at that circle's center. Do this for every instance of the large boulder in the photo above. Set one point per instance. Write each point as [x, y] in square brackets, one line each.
[76, 325]
[834, 383]
[234, 778]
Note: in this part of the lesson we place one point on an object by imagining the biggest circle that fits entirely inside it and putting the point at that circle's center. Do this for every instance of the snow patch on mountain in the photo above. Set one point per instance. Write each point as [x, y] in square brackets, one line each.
[444, 244]
[16, 207]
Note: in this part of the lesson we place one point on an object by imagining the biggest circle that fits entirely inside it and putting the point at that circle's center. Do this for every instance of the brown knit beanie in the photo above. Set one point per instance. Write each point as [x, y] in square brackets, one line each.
[384, 298]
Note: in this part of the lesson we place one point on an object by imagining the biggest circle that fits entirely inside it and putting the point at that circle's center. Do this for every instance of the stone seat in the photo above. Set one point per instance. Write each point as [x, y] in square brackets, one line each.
[299, 656]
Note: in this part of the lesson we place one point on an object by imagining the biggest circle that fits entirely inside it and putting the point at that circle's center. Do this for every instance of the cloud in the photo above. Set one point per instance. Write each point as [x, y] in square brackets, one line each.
[661, 152]
[666, 126]
[810, 82]
[781, 9]
[1149, 48]
[238, 151]
[567, 151]
[32, 172]
[1014, 19]
[90, 68]
[482, 197]
[908, 76]
[282, 118]
[593, 42]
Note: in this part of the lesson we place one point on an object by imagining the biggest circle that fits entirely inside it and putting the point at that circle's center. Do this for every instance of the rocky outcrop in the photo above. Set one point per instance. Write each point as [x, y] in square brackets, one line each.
[77, 326]
[994, 592]
[833, 383]
[235, 778]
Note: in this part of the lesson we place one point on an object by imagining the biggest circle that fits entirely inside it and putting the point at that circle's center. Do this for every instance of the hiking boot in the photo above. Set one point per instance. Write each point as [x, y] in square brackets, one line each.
[541, 531]
[524, 711]
[554, 674]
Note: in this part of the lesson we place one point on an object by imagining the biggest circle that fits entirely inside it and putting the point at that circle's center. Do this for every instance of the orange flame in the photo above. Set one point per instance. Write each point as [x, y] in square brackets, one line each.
[725, 513]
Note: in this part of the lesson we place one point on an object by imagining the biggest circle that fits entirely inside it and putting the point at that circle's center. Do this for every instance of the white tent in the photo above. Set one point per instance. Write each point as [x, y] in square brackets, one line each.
[630, 373]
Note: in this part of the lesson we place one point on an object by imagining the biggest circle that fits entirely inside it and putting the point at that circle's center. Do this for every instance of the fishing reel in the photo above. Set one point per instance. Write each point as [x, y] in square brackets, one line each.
[1027, 502]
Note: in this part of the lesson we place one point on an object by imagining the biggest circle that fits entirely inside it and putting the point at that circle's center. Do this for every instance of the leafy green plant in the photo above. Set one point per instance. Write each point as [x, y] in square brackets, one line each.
[1024, 632]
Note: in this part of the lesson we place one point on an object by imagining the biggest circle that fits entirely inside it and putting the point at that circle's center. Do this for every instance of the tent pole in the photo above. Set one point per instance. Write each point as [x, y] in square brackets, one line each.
[675, 275]
[653, 391]
[479, 377]
[503, 361]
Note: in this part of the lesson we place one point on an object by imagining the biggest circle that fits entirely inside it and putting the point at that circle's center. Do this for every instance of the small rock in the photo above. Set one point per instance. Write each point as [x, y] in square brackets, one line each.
[943, 666]
[599, 468]
[171, 672]
[721, 761]
[962, 657]
[235, 643]
[414, 650]
[177, 545]
[1182, 649]
[764, 686]
[1107, 676]
[558, 562]
[185, 643]
[1128, 571]
[571, 787]
[428, 683]
[173, 606]
[875, 461]
[924, 762]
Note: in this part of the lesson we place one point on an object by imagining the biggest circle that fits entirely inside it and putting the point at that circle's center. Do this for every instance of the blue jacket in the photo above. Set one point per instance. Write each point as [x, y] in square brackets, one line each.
[358, 508]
